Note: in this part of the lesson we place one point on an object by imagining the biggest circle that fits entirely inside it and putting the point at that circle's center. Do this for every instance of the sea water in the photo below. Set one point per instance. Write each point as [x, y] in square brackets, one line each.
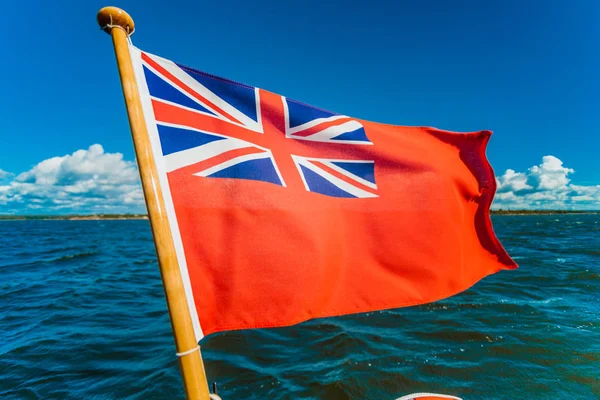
[83, 316]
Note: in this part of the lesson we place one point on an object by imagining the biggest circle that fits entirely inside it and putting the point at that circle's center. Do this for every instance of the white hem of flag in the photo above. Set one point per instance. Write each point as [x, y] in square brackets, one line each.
[164, 184]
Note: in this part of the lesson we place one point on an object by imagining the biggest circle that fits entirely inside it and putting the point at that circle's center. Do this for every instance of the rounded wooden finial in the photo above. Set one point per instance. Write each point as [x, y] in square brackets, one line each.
[109, 17]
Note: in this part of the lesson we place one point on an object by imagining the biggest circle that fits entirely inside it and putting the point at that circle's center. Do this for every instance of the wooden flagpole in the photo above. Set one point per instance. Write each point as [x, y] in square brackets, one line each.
[120, 25]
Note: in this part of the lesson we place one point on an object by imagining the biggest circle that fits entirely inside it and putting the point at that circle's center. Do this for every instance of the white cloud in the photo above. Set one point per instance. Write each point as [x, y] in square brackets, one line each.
[550, 174]
[512, 181]
[87, 181]
[4, 174]
[544, 186]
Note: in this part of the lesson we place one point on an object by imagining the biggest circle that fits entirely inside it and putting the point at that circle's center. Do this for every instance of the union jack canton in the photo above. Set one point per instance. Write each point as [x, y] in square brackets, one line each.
[216, 128]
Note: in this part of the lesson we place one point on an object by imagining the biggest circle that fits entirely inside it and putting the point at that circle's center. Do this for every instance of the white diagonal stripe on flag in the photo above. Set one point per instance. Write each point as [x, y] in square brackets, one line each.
[195, 155]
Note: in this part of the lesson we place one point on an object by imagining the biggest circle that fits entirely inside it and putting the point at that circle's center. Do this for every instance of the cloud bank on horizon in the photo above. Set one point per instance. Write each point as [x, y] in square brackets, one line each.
[87, 182]
[95, 182]
[545, 186]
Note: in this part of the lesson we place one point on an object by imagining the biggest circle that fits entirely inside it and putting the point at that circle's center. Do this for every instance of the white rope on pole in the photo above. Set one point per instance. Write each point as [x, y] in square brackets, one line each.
[185, 353]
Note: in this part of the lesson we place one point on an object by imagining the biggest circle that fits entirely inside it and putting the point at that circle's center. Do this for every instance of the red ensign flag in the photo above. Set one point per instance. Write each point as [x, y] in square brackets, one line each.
[283, 212]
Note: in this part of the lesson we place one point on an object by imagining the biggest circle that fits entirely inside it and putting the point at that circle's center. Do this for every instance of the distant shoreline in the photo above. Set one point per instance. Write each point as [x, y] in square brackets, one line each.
[541, 212]
[102, 217]
[112, 217]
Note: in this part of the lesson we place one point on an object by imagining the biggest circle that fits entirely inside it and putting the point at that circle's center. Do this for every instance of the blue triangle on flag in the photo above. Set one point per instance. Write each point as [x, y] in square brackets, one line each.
[300, 113]
[242, 97]
[159, 88]
[358, 135]
[261, 169]
[316, 183]
[173, 139]
[364, 170]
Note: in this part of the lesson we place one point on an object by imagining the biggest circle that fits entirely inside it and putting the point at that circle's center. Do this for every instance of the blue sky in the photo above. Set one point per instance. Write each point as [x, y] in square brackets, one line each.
[528, 70]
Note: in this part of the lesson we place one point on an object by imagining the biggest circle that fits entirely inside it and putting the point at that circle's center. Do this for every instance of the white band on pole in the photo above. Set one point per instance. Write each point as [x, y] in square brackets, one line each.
[185, 353]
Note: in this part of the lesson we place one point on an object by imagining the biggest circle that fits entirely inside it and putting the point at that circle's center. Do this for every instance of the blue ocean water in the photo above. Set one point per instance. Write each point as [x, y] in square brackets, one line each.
[83, 316]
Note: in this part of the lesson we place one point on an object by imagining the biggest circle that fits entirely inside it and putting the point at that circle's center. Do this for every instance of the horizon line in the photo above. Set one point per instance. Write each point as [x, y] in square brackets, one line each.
[145, 215]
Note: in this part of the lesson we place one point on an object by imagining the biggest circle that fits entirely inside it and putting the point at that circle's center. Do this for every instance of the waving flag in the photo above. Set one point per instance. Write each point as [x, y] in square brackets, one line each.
[283, 212]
